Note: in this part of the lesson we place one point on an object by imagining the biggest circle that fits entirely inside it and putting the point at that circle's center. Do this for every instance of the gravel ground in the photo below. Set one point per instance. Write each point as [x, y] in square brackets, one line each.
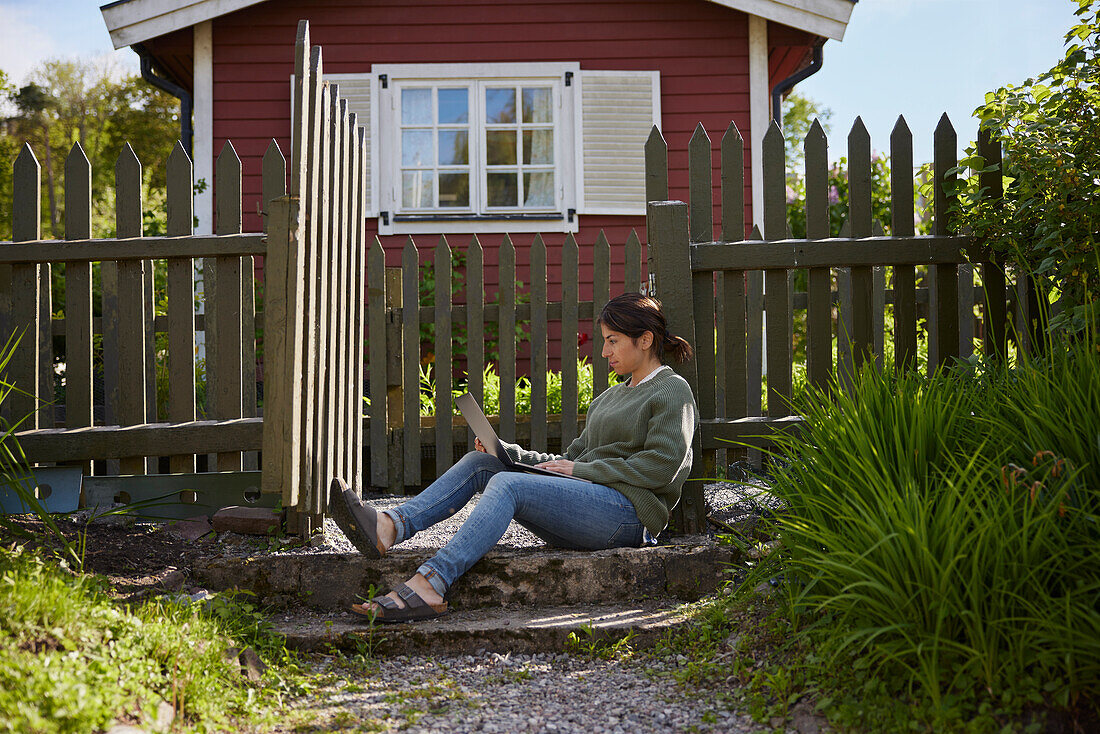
[511, 693]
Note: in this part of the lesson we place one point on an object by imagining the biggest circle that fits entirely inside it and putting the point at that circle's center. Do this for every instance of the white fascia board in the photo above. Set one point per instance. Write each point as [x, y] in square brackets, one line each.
[826, 18]
[134, 21]
[480, 71]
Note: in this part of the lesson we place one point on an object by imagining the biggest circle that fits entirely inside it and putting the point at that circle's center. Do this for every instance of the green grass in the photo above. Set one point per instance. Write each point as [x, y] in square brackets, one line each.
[941, 553]
[72, 660]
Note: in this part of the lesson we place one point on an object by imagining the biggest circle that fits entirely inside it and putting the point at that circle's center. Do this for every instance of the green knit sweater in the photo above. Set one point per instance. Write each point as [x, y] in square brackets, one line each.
[636, 440]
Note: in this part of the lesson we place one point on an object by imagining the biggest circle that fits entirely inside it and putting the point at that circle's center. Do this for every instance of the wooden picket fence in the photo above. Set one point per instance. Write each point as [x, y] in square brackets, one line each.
[716, 290]
[313, 300]
[401, 441]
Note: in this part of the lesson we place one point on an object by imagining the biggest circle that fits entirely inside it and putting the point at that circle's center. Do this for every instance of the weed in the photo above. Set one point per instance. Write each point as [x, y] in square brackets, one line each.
[593, 643]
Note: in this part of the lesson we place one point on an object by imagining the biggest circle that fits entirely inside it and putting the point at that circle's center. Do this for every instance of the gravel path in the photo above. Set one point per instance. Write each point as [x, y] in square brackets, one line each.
[511, 693]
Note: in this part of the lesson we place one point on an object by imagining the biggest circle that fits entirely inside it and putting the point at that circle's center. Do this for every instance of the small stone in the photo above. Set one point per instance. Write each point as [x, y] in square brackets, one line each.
[251, 665]
[192, 529]
[247, 520]
[173, 580]
[166, 714]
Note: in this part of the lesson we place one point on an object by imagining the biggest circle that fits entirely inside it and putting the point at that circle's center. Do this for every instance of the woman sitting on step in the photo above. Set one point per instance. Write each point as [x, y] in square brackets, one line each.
[635, 450]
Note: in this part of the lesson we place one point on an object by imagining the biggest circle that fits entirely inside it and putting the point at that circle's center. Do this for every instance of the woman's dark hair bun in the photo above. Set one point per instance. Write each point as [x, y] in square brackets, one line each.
[634, 314]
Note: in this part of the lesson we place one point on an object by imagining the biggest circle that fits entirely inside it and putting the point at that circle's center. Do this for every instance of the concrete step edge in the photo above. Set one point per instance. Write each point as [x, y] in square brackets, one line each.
[532, 577]
[481, 631]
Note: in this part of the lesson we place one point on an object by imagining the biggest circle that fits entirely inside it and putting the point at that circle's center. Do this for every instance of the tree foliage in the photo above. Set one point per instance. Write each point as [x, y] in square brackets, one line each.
[1049, 128]
[67, 101]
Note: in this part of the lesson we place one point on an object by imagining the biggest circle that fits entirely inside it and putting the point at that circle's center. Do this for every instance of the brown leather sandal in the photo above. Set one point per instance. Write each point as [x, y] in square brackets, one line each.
[358, 520]
[389, 613]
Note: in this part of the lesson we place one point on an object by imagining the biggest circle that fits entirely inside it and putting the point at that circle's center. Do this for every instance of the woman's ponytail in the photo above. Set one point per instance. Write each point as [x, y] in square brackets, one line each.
[677, 348]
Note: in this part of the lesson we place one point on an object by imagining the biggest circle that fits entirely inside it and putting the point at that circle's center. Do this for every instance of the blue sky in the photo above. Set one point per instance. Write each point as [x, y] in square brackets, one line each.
[919, 58]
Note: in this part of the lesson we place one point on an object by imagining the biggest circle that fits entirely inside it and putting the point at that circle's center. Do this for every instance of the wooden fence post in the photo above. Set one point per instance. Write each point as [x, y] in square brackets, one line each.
[670, 245]
[395, 396]
[25, 283]
[131, 303]
[181, 303]
[819, 307]
[901, 212]
[701, 216]
[777, 305]
[943, 306]
[79, 400]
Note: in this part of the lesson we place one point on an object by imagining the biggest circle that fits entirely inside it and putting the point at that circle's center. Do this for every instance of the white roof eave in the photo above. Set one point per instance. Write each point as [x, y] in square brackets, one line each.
[133, 21]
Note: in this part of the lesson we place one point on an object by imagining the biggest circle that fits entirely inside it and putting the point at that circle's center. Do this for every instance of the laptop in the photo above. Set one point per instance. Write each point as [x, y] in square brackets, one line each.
[476, 419]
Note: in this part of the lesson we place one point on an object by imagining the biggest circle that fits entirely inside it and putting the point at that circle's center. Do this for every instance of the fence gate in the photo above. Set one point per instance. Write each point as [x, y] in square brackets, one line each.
[313, 296]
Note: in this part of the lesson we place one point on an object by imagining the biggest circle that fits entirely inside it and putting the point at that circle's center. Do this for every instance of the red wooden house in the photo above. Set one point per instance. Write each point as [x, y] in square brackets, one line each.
[494, 116]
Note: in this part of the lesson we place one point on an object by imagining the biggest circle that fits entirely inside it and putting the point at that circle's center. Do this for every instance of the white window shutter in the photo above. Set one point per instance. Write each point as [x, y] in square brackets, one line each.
[617, 110]
[356, 89]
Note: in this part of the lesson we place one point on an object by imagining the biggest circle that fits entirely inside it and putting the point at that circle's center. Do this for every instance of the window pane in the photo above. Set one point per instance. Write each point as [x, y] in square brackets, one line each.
[453, 106]
[538, 189]
[416, 189]
[454, 148]
[500, 147]
[503, 189]
[500, 106]
[416, 148]
[416, 106]
[538, 146]
[454, 189]
[537, 103]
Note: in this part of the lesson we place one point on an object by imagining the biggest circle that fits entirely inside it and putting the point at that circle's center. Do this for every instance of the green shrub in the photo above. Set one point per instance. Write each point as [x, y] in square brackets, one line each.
[72, 661]
[947, 527]
[491, 381]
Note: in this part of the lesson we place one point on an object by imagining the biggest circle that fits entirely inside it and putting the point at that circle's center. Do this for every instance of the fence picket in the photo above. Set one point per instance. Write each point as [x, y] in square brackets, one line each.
[944, 293]
[775, 281]
[901, 213]
[376, 325]
[316, 190]
[538, 344]
[656, 189]
[131, 303]
[227, 400]
[358, 294]
[410, 382]
[25, 292]
[506, 282]
[475, 326]
[632, 271]
[859, 217]
[570, 258]
[79, 400]
[754, 309]
[819, 307]
[601, 293]
[669, 242]
[181, 303]
[338, 335]
[994, 335]
[701, 225]
[444, 423]
[733, 324]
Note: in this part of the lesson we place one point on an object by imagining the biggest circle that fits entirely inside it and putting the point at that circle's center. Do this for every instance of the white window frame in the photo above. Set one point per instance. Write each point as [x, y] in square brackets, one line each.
[388, 79]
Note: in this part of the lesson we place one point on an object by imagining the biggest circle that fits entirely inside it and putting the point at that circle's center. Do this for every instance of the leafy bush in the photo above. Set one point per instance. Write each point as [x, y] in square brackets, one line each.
[72, 661]
[1050, 133]
[491, 400]
[948, 528]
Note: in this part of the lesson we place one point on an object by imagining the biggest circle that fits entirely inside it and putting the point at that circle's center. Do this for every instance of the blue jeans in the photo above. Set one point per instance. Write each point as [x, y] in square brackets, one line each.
[564, 512]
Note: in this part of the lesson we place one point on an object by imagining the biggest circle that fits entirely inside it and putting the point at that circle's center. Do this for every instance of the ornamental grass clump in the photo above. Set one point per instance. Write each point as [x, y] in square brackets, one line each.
[948, 528]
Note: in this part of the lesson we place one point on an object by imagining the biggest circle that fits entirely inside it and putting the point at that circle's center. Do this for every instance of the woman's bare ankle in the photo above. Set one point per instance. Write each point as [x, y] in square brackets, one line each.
[424, 589]
[386, 529]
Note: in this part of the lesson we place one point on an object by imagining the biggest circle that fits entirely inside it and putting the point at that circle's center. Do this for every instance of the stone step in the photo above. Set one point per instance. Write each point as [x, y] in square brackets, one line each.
[530, 577]
[480, 631]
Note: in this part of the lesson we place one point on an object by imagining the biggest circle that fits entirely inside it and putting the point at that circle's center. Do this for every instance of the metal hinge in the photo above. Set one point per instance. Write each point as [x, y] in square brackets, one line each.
[568, 78]
[385, 218]
[570, 213]
[384, 80]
